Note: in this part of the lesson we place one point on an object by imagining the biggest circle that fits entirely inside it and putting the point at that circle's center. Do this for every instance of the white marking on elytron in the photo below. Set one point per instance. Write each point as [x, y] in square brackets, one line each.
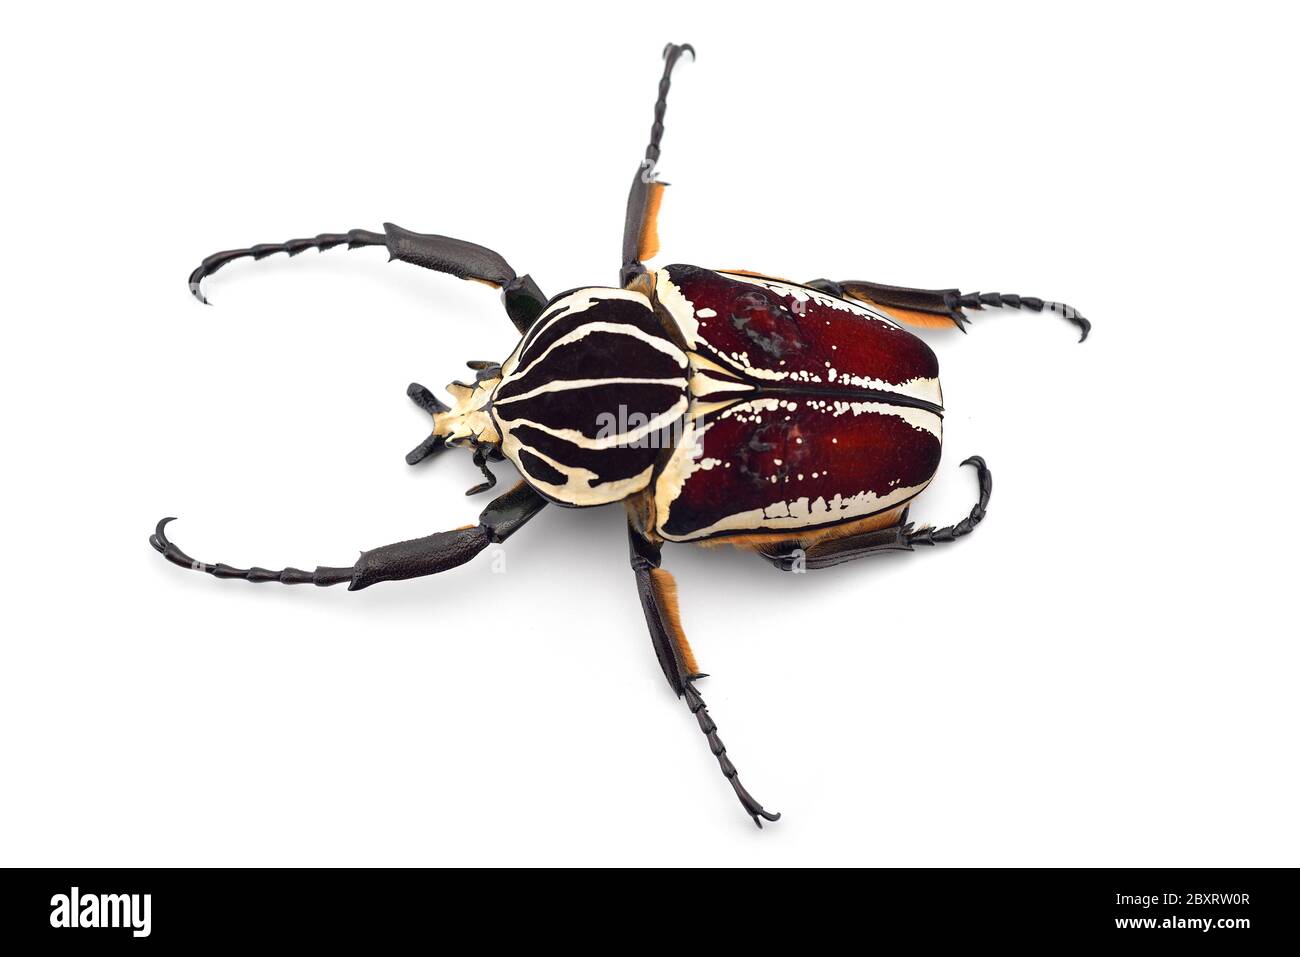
[918, 388]
[575, 437]
[679, 467]
[580, 300]
[752, 411]
[699, 410]
[921, 387]
[704, 384]
[619, 328]
[564, 385]
[795, 513]
[701, 363]
[706, 313]
[679, 307]
[709, 377]
[922, 419]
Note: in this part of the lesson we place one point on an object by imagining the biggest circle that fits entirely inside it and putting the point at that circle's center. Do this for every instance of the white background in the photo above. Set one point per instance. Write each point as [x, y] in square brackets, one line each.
[1104, 674]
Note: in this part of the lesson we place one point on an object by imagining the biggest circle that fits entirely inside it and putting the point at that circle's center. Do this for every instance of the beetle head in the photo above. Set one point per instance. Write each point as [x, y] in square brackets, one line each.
[467, 422]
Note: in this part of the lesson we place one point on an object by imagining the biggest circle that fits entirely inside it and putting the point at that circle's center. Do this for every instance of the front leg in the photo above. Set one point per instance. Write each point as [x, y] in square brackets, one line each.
[658, 594]
[520, 295]
[931, 307]
[410, 559]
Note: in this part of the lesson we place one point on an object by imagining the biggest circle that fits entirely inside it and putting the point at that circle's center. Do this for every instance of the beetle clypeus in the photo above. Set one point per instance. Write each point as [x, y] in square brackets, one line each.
[796, 420]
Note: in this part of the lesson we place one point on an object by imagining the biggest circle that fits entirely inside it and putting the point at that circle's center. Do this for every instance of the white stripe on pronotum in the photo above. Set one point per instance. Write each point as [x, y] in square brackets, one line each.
[563, 385]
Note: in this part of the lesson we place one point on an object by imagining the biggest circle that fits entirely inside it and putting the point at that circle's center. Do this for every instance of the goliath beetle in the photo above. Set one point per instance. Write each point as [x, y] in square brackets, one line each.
[796, 420]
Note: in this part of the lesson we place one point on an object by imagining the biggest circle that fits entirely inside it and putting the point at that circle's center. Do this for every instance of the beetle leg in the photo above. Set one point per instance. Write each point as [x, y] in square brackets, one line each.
[790, 556]
[411, 559]
[522, 298]
[640, 229]
[949, 533]
[659, 600]
[938, 307]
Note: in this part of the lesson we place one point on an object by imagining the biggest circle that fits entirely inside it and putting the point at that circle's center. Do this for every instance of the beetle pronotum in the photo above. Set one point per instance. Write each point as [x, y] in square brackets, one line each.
[795, 420]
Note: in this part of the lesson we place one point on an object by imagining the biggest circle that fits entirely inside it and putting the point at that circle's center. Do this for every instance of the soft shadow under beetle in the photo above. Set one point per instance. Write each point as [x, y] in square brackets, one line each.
[796, 420]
